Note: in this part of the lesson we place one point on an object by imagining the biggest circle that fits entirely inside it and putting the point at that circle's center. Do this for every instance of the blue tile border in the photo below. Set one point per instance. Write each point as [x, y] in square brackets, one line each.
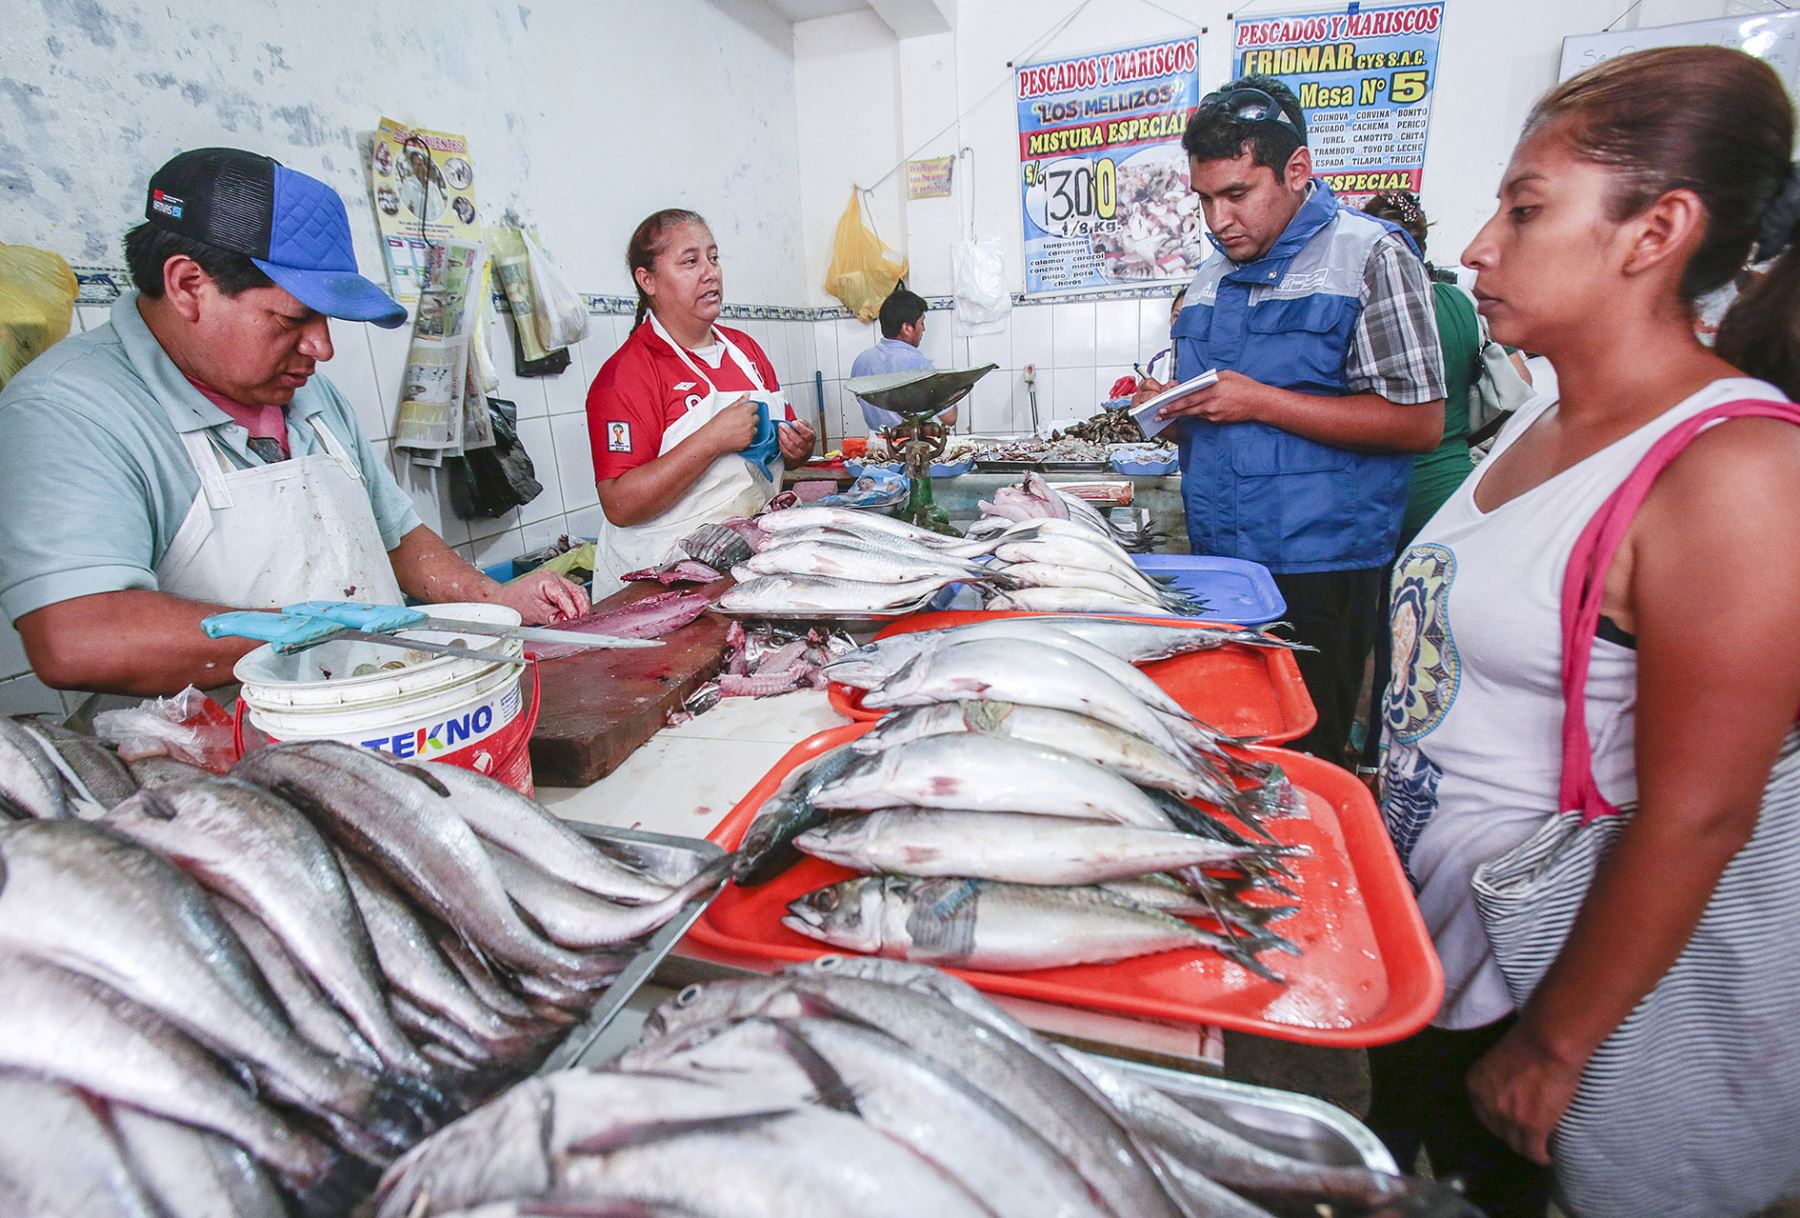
[100, 286]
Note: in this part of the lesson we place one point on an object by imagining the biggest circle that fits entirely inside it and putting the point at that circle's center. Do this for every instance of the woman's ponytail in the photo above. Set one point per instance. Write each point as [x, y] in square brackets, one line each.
[1761, 332]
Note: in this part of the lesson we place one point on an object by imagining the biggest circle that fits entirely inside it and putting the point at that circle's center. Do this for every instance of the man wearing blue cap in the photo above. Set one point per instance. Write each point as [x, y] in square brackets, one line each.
[187, 457]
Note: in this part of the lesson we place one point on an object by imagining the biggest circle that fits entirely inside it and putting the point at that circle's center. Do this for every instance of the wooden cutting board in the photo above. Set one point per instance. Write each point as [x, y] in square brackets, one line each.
[598, 707]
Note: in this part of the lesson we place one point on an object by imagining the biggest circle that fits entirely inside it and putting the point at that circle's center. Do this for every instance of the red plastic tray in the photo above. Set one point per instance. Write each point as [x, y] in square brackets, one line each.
[1368, 974]
[1242, 691]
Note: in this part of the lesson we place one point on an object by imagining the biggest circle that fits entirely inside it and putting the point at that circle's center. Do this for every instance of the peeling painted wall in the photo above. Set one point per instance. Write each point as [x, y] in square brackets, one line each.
[584, 115]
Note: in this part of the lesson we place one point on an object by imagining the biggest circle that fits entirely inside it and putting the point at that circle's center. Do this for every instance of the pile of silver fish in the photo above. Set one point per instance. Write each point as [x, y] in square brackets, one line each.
[836, 561]
[866, 1087]
[833, 561]
[1035, 801]
[229, 995]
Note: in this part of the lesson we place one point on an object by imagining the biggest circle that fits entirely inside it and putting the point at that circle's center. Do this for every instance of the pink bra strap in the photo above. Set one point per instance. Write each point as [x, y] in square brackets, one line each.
[1584, 587]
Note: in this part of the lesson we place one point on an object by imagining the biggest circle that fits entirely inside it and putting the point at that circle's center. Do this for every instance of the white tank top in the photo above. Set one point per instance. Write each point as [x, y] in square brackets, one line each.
[1474, 712]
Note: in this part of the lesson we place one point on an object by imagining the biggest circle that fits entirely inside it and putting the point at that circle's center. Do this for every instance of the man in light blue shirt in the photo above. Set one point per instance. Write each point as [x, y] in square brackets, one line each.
[902, 330]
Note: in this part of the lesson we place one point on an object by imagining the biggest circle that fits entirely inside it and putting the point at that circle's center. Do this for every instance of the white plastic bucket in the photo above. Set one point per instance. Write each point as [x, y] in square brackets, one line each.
[468, 713]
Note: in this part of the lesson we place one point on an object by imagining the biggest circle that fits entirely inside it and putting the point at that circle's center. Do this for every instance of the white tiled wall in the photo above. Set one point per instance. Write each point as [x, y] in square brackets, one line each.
[1076, 349]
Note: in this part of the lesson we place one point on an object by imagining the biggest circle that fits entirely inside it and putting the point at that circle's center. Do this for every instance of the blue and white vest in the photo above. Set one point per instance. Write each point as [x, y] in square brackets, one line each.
[1253, 491]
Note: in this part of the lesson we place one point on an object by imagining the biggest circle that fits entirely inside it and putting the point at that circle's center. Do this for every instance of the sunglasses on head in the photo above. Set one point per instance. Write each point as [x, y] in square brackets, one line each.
[1250, 105]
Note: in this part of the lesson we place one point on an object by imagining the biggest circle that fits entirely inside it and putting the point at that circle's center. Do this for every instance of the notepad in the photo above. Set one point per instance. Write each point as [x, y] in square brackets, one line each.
[1145, 412]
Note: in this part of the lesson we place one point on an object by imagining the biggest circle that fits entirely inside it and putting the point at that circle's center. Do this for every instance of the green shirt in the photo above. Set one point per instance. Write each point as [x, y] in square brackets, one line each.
[95, 481]
[1437, 474]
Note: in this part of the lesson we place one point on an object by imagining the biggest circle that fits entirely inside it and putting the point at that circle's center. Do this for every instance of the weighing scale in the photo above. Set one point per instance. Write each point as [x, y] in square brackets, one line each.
[919, 397]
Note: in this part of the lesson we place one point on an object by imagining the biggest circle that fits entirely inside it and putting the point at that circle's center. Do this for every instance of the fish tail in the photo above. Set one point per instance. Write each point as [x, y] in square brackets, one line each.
[1240, 952]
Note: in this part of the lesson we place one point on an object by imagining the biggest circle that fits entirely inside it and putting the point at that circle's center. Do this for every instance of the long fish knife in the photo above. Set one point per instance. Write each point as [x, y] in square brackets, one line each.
[289, 633]
[363, 616]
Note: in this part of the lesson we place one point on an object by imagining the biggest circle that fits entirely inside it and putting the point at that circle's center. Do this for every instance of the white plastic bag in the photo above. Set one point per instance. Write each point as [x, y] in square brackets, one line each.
[558, 309]
[982, 298]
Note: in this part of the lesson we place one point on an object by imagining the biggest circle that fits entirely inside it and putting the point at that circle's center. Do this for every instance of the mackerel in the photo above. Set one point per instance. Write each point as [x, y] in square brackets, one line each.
[1020, 849]
[997, 927]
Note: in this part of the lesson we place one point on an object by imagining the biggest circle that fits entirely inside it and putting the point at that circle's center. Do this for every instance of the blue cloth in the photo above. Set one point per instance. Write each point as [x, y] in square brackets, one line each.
[95, 481]
[1287, 320]
[888, 355]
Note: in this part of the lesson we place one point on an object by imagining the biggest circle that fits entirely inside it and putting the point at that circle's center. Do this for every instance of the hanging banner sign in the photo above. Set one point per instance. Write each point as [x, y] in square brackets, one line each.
[1102, 178]
[1365, 79]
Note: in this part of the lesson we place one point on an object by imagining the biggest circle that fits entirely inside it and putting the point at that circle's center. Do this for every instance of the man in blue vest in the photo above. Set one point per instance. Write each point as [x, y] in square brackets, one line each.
[1318, 319]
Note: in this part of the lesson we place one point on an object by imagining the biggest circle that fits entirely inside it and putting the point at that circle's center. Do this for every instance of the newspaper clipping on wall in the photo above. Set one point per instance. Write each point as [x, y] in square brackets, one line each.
[1365, 79]
[1103, 180]
[423, 184]
[435, 389]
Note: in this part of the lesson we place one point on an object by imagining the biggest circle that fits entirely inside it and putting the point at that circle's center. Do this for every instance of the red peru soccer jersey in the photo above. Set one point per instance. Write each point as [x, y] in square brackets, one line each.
[645, 389]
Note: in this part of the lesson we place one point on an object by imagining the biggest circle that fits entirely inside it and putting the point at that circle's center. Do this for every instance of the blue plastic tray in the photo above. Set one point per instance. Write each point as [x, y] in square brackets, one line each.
[1235, 591]
[1147, 468]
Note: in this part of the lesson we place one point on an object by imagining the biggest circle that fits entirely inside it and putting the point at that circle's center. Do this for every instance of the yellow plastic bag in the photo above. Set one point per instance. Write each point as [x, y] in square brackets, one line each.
[37, 300]
[863, 272]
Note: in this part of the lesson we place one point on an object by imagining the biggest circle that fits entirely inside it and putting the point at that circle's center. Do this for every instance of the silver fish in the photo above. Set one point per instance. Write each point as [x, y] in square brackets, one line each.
[868, 563]
[768, 847]
[481, 979]
[580, 920]
[913, 1100]
[1085, 1133]
[403, 819]
[799, 593]
[1121, 753]
[1027, 673]
[313, 1015]
[161, 771]
[92, 901]
[194, 1173]
[996, 927]
[246, 844]
[808, 517]
[1070, 600]
[500, 815]
[59, 1160]
[981, 773]
[517, 1144]
[1020, 849]
[64, 1026]
[1142, 642]
[1076, 548]
[798, 1163]
[1037, 574]
[413, 967]
[1254, 1171]
[93, 768]
[29, 780]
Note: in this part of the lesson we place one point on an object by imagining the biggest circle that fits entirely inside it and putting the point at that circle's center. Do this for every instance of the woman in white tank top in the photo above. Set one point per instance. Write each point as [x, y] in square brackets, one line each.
[1636, 188]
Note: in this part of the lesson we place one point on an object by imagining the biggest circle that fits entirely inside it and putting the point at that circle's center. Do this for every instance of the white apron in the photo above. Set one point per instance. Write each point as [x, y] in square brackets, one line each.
[731, 486]
[273, 535]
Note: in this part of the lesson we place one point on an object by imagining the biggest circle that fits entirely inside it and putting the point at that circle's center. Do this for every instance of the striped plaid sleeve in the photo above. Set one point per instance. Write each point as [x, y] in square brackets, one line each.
[1395, 351]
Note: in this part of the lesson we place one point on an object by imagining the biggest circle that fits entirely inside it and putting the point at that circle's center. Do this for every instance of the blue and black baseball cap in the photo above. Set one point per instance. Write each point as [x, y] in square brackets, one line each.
[293, 227]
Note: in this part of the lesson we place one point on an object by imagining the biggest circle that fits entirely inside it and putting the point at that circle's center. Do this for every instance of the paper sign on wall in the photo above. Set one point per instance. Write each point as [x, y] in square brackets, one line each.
[929, 179]
[1365, 79]
[424, 187]
[1103, 181]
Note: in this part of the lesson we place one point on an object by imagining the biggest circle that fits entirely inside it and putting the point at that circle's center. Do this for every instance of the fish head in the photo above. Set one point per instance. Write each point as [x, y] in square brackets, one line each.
[863, 775]
[847, 914]
[857, 671]
[696, 1014]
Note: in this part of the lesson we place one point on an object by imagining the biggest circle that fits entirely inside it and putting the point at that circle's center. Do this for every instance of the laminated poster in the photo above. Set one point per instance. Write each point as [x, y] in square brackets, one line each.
[1102, 178]
[436, 382]
[423, 183]
[1365, 78]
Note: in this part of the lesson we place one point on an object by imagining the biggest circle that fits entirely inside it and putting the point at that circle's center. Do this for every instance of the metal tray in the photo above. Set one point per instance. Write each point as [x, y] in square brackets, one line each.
[671, 859]
[1295, 1125]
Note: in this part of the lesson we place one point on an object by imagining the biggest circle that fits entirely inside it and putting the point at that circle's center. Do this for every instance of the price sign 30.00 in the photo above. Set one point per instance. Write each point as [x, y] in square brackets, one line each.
[1073, 196]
